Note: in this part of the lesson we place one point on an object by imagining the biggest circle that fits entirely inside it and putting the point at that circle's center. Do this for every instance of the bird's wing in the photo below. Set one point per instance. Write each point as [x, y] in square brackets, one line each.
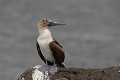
[39, 52]
[57, 43]
[57, 51]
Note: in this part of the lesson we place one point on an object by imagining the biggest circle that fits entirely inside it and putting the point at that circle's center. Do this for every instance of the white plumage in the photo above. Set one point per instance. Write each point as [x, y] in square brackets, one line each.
[43, 40]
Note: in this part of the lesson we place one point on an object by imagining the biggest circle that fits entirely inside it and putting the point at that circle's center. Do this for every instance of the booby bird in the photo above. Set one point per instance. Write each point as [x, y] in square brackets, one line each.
[49, 50]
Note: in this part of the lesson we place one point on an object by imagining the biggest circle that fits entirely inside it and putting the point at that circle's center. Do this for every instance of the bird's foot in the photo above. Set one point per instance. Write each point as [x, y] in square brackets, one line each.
[52, 69]
[43, 68]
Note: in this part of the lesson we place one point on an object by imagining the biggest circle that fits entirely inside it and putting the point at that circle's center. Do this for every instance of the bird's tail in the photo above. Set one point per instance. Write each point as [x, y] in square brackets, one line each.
[61, 65]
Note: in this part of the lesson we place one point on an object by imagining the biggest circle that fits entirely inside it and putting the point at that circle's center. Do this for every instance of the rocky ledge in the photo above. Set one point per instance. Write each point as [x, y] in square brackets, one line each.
[110, 73]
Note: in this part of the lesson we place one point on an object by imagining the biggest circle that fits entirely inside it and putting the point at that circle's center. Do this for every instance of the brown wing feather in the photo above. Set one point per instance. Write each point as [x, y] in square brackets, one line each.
[57, 43]
[58, 52]
[39, 52]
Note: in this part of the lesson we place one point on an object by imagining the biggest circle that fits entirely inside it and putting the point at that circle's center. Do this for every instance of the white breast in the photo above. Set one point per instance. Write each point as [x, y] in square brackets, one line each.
[43, 40]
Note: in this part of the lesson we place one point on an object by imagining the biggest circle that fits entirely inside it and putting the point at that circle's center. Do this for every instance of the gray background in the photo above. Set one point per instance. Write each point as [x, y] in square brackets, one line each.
[91, 37]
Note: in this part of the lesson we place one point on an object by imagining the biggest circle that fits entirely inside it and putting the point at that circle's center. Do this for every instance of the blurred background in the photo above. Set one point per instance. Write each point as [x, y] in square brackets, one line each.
[91, 37]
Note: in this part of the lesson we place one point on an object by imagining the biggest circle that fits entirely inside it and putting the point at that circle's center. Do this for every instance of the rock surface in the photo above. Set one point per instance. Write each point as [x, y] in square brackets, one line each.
[110, 73]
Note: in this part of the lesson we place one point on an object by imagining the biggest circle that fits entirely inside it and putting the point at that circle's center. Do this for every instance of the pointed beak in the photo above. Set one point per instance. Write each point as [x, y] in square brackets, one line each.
[54, 24]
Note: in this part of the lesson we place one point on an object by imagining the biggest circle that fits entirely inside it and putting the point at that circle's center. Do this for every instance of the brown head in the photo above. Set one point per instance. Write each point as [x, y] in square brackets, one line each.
[46, 23]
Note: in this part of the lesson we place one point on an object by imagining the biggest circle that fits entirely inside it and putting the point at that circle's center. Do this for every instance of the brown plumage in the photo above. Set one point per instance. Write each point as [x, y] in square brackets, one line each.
[58, 53]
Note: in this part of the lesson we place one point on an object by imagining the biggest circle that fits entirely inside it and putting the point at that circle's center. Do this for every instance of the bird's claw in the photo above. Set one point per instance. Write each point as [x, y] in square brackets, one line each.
[52, 69]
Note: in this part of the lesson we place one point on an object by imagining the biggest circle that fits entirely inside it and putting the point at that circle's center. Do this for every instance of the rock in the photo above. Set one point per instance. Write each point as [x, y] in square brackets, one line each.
[110, 73]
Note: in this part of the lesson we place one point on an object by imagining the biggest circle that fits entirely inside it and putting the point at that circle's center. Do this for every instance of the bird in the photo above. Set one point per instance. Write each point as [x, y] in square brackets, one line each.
[49, 50]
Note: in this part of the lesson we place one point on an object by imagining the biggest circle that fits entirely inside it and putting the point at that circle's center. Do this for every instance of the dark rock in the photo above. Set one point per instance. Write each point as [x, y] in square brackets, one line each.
[110, 73]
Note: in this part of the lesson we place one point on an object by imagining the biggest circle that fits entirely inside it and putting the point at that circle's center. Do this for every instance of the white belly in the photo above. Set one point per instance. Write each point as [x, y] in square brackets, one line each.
[47, 52]
[44, 47]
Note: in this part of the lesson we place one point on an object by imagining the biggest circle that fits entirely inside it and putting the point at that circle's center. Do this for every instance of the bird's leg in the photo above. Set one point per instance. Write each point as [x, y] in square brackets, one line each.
[54, 64]
[46, 63]
[44, 68]
[53, 68]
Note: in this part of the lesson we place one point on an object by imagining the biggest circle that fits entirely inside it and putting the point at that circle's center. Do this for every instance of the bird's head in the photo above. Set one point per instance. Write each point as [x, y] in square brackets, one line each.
[46, 23]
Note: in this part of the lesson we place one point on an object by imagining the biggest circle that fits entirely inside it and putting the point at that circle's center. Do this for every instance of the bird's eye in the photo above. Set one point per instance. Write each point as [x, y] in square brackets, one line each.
[43, 20]
[40, 22]
[46, 20]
